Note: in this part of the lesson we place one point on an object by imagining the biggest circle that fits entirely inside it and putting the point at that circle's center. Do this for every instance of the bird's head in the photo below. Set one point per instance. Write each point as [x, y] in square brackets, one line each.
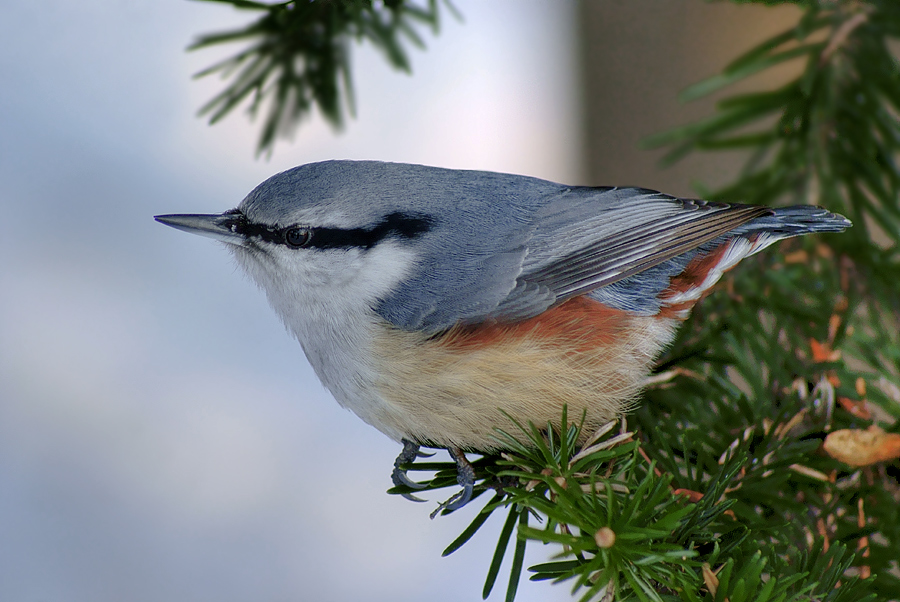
[338, 234]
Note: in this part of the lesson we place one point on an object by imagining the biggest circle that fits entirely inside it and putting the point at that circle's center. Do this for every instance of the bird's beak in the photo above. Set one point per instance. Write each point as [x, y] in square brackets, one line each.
[225, 227]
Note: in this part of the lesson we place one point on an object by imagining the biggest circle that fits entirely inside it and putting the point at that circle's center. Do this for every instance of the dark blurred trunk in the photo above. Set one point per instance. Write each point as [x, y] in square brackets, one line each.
[637, 56]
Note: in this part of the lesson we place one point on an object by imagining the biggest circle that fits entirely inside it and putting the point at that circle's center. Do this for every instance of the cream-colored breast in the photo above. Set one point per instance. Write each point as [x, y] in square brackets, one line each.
[453, 390]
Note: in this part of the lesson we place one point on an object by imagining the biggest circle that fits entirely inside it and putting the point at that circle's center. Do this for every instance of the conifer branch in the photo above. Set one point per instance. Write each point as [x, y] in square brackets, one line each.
[297, 57]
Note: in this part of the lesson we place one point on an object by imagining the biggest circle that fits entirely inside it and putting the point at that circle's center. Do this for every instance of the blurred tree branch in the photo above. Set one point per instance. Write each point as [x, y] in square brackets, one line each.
[298, 57]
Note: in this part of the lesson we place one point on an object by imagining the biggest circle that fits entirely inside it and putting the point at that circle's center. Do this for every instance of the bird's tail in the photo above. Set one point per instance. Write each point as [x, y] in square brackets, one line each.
[785, 222]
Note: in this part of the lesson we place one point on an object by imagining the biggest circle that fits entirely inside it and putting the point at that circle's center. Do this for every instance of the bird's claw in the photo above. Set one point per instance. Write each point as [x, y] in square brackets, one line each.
[398, 475]
[465, 476]
[464, 497]
[412, 498]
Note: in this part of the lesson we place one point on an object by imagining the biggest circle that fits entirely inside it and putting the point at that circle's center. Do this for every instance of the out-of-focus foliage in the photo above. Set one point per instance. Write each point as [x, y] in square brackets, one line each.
[803, 342]
[297, 57]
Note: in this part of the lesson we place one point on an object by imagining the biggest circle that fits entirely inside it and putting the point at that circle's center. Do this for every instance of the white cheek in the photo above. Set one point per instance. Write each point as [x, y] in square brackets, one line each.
[338, 279]
[326, 299]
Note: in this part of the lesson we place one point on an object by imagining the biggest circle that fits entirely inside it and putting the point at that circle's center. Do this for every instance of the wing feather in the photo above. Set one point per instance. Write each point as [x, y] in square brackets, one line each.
[604, 263]
[598, 237]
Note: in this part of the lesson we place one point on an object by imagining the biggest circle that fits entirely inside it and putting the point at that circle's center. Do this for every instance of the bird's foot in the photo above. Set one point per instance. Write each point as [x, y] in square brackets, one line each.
[398, 476]
[465, 476]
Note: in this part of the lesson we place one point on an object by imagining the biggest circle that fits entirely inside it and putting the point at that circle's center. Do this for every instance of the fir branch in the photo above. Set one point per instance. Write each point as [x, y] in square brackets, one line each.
[298, 57]
[821, 312]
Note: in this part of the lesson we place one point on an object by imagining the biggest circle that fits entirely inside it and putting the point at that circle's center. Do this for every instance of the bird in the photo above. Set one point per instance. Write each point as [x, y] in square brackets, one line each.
[440, 304]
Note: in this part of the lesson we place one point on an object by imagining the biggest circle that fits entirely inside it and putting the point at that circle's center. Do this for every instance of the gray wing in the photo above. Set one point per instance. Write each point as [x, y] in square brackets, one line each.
[607, 236]
[538, 253]
[594, 238]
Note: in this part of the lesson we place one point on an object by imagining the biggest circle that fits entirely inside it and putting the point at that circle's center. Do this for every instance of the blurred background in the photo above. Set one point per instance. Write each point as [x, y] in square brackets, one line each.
[161, 436]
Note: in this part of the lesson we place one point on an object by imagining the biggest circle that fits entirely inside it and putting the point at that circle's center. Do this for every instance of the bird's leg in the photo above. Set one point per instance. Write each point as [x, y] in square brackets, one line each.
[465, 476]
[398, 476]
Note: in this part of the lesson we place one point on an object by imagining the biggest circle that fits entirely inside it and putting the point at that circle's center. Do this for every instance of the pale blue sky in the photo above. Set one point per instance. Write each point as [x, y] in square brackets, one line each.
[161, 436]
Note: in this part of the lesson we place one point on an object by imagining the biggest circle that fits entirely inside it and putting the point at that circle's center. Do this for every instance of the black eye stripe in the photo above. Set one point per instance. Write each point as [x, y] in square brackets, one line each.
[397, 225]
[251, 230]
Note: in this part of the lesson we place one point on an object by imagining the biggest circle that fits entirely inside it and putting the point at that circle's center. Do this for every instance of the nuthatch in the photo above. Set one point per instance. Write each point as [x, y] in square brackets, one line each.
[437, 304]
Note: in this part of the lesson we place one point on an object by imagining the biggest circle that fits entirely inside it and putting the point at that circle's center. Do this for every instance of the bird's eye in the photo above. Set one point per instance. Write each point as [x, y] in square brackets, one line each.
[296, 237]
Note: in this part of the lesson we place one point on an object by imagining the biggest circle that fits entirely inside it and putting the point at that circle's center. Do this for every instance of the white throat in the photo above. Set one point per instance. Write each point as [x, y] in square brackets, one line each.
[326, 299]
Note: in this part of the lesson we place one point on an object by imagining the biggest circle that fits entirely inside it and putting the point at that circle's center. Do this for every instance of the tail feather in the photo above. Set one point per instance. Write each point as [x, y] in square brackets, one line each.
[705, 269]
[672, 288]
[785, 222]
